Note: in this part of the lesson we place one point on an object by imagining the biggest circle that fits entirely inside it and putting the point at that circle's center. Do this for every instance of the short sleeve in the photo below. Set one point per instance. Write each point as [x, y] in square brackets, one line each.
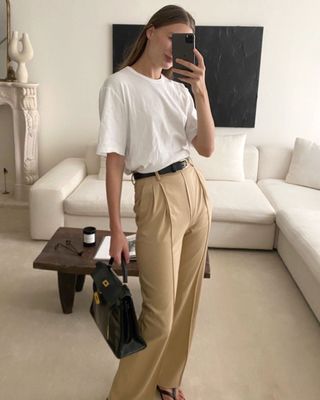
[113, 130]
[192, 119]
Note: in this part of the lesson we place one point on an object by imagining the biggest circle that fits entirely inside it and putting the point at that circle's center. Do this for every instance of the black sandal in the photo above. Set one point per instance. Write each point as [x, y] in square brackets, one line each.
[165, 392]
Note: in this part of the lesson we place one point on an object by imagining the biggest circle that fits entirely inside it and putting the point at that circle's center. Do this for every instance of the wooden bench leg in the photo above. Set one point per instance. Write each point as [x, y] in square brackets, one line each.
[67, 287]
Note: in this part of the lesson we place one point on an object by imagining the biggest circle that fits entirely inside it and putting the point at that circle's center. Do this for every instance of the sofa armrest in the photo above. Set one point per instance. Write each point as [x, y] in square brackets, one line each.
[47, 194]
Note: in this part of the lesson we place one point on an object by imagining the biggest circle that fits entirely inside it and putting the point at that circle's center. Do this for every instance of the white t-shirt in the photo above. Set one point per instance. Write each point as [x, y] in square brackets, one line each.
[149, 121]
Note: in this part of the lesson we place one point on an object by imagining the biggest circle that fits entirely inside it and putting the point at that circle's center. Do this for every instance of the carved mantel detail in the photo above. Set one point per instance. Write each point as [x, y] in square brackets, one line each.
[22, 98]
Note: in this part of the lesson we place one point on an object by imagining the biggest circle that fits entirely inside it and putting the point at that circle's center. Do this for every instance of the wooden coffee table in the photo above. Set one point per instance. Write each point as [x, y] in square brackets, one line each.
[72, 268]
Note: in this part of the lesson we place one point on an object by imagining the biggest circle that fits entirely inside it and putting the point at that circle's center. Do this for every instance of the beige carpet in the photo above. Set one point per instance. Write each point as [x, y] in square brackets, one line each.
[256, 338]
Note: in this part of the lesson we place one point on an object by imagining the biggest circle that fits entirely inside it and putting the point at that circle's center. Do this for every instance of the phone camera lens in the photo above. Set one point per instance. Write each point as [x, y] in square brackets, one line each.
[189, 38]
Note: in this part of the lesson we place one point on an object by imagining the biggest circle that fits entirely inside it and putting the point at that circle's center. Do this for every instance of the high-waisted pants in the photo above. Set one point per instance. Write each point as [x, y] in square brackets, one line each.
[173, 217]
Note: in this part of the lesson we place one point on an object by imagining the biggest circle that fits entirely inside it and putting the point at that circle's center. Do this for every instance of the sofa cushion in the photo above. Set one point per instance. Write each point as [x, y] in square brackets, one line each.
[284, 195]
[232, 201]
[91, 189]
[102, 170]
[305, 164]
[226, 162]
[239, 202]
[91, 159]
[250, 162]
[302, 230]
[274, 161]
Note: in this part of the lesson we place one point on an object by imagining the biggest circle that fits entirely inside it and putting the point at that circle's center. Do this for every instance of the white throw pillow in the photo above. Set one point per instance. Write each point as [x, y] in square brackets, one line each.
[304, 168]
[102, 170]
[227, 161]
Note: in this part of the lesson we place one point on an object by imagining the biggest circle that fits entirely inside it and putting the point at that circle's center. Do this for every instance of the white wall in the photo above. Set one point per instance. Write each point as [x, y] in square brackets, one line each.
[72, 47]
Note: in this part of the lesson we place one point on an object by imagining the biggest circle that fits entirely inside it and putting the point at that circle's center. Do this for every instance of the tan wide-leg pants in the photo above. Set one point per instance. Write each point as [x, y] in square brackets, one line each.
[173, 216]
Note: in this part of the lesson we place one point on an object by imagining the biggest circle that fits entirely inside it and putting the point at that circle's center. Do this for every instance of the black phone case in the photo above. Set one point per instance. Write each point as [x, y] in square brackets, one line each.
[182, 49]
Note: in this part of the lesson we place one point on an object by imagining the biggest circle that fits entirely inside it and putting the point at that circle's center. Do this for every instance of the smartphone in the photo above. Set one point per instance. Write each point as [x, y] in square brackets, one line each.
[182, 47]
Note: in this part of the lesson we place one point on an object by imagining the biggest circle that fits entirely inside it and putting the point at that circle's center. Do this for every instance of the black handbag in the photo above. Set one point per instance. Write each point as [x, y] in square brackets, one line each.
[113, 310]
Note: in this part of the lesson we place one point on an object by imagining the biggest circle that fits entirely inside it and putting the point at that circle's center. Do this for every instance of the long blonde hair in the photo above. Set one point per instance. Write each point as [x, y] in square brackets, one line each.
[167, 15]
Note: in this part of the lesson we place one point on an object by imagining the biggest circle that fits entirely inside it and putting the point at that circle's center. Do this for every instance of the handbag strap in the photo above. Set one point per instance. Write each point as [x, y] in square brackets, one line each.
[123, 266]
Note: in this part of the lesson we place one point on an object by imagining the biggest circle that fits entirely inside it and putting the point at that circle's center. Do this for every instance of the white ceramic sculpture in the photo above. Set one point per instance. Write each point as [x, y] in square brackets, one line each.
[21, 57]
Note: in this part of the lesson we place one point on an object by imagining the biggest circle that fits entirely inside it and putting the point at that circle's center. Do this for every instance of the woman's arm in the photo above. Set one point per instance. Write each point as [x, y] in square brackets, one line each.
[204, 140]
[114, 174]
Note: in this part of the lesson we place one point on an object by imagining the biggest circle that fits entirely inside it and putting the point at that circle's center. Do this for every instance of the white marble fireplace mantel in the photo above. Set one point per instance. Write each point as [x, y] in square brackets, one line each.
[22, 98]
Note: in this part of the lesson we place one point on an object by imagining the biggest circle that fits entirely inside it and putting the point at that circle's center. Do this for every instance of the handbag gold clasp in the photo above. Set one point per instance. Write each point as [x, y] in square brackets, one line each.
[105, 283]
[96, 298]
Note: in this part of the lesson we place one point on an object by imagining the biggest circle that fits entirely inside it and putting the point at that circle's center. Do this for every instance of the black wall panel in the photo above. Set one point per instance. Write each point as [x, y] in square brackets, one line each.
[232, 56]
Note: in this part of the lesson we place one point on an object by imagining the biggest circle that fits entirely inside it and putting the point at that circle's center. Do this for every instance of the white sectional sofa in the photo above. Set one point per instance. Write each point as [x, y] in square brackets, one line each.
[297, 207]
[258, 211]
[299, 247]
[71, 194]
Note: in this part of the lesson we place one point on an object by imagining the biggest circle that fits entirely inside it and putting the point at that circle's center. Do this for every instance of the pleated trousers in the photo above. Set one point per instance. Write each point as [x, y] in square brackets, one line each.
[173, 217]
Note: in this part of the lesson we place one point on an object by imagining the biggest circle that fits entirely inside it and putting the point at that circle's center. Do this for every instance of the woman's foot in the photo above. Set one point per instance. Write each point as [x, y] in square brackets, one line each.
[170, 394]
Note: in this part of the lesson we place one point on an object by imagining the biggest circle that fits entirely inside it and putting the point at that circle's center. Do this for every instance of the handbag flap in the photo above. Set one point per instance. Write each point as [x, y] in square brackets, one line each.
[108, 284]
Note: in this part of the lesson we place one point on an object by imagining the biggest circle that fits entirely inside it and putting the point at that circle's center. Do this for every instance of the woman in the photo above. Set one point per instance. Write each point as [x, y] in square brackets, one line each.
[148, 122]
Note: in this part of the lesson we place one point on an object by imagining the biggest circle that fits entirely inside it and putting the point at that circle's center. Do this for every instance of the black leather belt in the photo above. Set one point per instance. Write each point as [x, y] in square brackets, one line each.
[170, 168]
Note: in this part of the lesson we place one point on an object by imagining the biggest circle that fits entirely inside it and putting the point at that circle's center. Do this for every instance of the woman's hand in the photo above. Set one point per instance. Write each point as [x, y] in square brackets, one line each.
[119, 245]
[195, 77]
